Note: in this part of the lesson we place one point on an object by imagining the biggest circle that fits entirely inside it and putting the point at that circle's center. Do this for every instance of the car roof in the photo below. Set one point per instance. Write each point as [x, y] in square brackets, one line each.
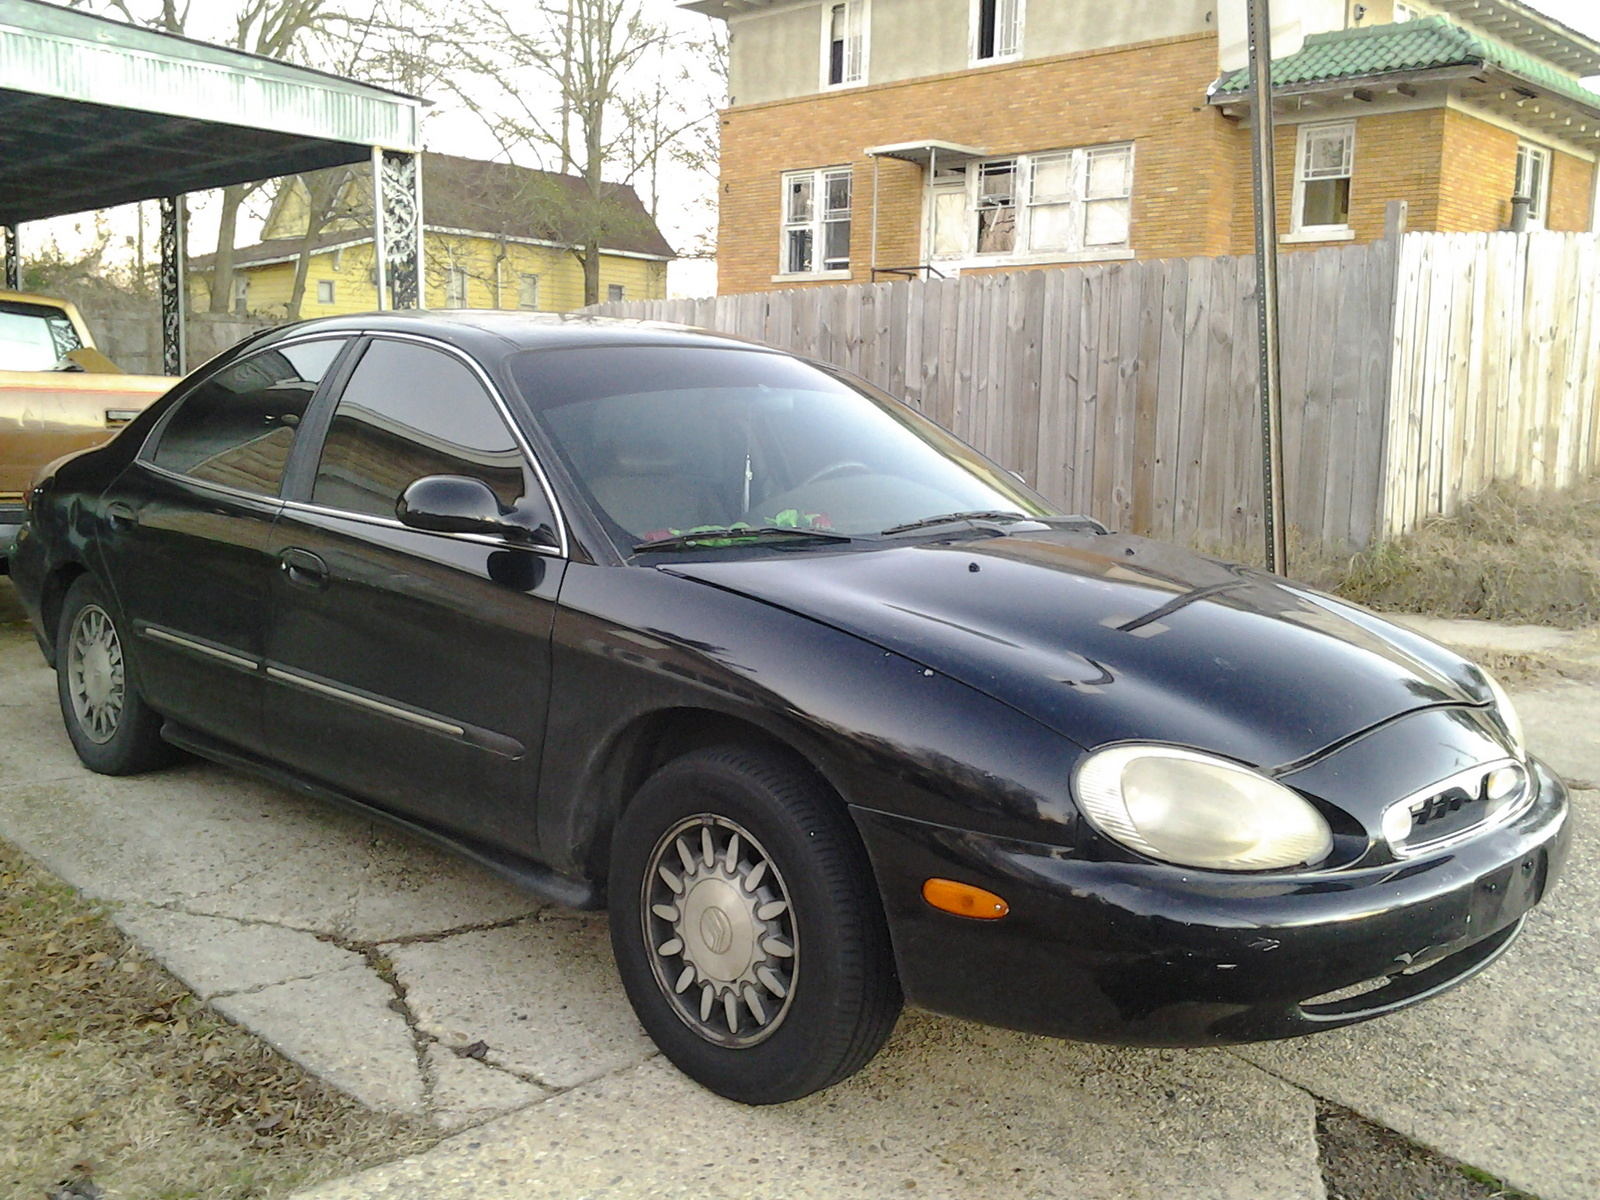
[494, 333]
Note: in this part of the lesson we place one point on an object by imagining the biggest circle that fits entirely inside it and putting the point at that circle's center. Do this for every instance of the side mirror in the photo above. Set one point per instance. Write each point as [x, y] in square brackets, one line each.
[461, 504]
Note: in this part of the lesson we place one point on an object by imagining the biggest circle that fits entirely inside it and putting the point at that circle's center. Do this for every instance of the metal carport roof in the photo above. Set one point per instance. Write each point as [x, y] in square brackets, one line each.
[95, 113]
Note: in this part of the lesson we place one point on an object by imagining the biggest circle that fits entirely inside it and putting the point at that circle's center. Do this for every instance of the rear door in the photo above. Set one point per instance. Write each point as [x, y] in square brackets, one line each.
[409, 667]
[185, 545]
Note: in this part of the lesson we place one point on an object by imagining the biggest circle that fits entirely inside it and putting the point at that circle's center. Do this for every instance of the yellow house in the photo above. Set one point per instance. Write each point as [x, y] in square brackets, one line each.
[490, 240]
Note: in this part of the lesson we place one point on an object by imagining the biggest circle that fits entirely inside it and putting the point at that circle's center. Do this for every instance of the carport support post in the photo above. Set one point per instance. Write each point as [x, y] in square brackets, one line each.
[13, 261]
[397, 227]
[174, 304]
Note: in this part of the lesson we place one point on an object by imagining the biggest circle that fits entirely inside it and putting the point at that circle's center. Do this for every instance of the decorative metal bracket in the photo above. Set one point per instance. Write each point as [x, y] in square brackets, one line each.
[397, 228]
[174, 304]
[13, 261]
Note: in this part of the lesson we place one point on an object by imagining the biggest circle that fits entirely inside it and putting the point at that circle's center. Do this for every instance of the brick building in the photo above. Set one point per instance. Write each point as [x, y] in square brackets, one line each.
[867, 138]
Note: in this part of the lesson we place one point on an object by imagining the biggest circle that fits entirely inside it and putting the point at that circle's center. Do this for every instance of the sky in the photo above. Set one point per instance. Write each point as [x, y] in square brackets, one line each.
[685, 213]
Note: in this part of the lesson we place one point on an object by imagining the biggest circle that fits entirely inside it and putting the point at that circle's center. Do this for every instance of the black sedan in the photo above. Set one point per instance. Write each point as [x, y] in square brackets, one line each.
[826, 707]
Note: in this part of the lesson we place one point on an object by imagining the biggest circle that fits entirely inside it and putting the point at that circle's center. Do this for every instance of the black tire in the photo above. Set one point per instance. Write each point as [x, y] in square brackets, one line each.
[113, 730]
[844, 997]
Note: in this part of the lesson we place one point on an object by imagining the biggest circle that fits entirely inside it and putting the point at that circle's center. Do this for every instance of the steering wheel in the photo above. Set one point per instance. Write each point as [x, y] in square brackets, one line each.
[838, 468]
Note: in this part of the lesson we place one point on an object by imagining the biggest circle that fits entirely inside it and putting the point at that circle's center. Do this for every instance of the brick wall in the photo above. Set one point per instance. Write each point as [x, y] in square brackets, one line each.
[1153, 94]
[1571, 193]
[1397, 157]
[1480, 173]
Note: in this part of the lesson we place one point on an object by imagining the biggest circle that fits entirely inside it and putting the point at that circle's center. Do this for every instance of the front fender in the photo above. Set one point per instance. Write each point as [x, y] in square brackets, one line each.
[886, 732]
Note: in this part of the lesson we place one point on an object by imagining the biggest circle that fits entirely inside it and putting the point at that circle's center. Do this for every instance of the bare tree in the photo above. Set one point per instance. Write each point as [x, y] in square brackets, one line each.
[592, 89]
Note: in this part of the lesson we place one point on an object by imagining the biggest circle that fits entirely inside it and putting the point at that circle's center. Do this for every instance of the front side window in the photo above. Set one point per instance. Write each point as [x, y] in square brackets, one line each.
[1533, 180]
[816, 221]
[1064, 201]
[1324, 162]
[997, 29]
[410, 411]
[528, 292]
[616, 291]
[844, 42]
[324, 291]
[35, 337]
[665, 440]
[237, 428]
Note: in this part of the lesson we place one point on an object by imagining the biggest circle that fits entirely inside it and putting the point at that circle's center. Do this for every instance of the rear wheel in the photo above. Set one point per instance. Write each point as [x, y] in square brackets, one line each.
[747, 927]
[111, 727]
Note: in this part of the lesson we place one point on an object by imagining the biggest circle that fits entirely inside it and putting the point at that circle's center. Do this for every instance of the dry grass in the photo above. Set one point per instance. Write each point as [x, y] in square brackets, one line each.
[112, 1074]
[1507, 555]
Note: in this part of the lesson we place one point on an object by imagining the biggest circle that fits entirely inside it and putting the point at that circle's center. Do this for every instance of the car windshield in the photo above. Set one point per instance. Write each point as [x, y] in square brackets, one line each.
[668, 440]
[34, 337]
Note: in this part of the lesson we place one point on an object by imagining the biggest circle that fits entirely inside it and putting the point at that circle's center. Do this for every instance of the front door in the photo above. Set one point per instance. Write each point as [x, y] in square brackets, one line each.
[187, 534]
[407, 667]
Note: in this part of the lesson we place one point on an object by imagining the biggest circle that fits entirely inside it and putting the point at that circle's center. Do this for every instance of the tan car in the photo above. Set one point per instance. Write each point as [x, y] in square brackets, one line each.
[57, 394]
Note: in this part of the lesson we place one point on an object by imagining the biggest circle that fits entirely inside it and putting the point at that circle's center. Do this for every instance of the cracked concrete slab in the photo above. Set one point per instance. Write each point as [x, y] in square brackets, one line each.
[544, 996]
[218, 955]
[464, 1091]
[341, 1028]
[947, 1110]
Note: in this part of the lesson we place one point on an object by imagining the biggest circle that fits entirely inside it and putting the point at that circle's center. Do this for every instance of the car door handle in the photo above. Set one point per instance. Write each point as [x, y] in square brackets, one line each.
[303, 567]
[121, 515]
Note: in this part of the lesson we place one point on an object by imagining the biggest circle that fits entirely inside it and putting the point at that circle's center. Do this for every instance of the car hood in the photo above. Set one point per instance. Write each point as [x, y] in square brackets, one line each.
[1111, 638]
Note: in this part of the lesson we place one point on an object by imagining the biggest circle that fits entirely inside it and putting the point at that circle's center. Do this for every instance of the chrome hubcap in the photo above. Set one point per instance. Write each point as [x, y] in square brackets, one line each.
[95, 679]
[721, 935]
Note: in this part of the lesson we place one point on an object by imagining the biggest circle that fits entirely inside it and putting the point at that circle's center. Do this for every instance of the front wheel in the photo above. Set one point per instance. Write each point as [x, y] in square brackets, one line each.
[747, 928]
[111, 727]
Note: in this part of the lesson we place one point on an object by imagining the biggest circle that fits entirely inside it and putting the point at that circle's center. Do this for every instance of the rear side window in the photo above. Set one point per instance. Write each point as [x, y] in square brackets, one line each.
[411, 411]
[237, 428]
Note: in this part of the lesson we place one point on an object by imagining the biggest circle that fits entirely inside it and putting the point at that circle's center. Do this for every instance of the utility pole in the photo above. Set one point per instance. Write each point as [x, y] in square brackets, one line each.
[1266, 190]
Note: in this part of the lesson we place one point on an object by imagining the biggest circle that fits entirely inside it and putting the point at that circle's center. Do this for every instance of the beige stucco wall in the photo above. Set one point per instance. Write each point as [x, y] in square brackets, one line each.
[776, 52]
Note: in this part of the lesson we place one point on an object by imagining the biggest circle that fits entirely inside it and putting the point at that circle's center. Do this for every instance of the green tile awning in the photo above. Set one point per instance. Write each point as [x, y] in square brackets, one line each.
[1427, 44]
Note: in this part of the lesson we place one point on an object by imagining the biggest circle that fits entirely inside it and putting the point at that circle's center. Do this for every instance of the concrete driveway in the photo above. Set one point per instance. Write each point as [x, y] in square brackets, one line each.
[420, 984]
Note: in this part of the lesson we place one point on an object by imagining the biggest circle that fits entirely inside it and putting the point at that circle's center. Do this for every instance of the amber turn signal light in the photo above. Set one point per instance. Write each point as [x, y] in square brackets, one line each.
[964, 900]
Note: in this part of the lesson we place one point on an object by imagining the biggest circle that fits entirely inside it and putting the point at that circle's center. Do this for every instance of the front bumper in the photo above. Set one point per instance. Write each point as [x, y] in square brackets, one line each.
[1140, 954]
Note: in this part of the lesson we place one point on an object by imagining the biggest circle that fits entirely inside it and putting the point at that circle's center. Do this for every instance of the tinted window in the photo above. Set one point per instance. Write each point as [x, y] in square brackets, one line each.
[409, 411]
[237, 427]
[34, 337]
[667, 440]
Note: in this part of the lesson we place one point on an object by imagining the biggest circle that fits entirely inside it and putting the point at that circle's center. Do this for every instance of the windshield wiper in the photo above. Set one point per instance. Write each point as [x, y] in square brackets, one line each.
[955, 517]
[700, 539]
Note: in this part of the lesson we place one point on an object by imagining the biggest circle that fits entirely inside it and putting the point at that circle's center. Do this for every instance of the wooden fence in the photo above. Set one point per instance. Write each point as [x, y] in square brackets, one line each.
[1496, 368]
[1128, 390]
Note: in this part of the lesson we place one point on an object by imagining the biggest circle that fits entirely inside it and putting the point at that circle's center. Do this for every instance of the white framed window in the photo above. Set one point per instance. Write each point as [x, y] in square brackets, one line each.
[241, 294]
[996, 30]
[1324, 161]
[816, 221]
[455, 287]
[1533, 181]
[615, 291]
[844, 43]
[997, 206]
[1033, 206]
[324, 291]
[528, 292]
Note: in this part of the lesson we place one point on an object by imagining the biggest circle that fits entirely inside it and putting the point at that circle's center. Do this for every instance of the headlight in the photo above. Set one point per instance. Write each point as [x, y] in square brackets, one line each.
[1507, 713]
[1198, 811]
